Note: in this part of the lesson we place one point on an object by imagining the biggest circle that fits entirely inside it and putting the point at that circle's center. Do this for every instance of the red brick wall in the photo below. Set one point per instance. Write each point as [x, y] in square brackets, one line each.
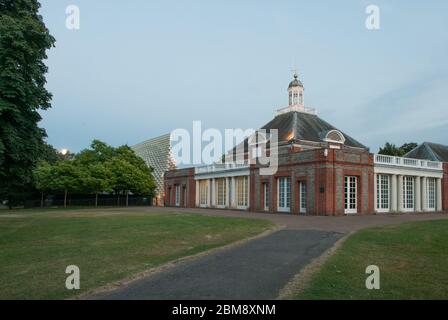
[323, 174]
[184, 178]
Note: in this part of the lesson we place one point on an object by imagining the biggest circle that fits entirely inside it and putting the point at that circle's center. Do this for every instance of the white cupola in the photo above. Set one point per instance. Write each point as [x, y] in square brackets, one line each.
[296, 92]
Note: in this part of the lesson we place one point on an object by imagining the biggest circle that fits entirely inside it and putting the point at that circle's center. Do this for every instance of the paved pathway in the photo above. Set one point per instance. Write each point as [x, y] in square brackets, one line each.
[258, 269]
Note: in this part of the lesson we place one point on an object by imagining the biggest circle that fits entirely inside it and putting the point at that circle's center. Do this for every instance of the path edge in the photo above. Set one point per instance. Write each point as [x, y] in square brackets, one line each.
[172, 264]
[302, 280]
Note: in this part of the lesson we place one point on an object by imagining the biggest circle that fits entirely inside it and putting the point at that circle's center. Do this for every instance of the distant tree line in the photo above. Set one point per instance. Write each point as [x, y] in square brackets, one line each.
[100, 169]
[391, 149]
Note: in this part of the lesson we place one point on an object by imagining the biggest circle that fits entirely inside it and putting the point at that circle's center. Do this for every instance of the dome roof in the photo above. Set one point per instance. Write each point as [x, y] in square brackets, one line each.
[296, 82]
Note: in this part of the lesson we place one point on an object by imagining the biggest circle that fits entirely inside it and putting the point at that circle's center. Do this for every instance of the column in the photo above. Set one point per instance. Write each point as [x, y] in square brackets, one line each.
[418, 194]
[393, 193]
[197, 193]
[400, 194]
[375, 192]
[208, 192]
[213, 192]
[424, 194]
[439, 194]
[232, 194]
[227, 193]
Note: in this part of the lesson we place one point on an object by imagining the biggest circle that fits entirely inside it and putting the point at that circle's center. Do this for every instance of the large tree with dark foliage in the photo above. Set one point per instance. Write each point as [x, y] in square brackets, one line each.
[24, 40]
[391, 149]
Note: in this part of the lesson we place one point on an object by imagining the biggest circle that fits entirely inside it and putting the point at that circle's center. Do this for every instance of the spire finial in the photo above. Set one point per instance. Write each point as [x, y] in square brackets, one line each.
[295, 73]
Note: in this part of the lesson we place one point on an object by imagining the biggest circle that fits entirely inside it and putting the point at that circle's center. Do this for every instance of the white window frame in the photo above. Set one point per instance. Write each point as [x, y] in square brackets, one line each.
[350, 194]
[177, 195]
[303, 192]
[242, 192]
[408, 196]
[284, 194]
[266, 196]
[383, 193]
[431, 194]
[203, 193]
[221, 192]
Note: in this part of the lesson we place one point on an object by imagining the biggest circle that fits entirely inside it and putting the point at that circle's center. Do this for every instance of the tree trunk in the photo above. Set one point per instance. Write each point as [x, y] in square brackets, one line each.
[96, 200]
[65, 199]
[127, 198]
[9, 202]
[118, 199]
[42, 199]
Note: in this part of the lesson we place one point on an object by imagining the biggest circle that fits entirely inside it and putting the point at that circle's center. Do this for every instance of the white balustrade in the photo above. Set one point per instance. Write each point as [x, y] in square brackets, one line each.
[407, 162]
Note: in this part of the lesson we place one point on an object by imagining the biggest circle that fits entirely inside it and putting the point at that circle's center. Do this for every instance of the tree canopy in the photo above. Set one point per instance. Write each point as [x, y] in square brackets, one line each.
[24, 40]
[391, 149]
[101, 168]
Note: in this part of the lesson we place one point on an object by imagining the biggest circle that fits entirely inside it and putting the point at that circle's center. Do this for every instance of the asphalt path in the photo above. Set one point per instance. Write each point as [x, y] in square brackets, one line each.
[257, 269]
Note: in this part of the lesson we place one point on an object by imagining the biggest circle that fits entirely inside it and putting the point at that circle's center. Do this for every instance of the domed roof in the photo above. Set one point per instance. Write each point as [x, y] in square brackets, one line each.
[296, 82]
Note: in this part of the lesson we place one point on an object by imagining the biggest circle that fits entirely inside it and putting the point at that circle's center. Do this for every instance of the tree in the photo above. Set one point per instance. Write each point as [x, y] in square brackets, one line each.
[24, 40]
[49, 154]
[96, 179]
[407, 147]
[43, 178]
[67, 178]
[129, 174]
[391, 149]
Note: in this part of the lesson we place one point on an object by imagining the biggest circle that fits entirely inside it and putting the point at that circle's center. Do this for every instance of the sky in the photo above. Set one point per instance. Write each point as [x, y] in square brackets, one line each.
[139, 69]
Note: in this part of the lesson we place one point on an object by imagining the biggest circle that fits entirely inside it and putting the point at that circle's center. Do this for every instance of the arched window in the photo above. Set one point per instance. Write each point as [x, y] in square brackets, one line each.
[301, 98]
[334, 136]
[290, 98]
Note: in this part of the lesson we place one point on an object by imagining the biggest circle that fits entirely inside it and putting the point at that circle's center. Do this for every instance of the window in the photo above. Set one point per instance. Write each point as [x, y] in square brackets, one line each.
[302, 190]
[242, 192]
[351, 198]
[431, 193]
[295, 100]
[177, 194]
[284, 194]
[301, 98]
[408, 193]
[203, 193]
[334, 136]
[382, 192]
[290, 98]
[221, 193]
[266, 196]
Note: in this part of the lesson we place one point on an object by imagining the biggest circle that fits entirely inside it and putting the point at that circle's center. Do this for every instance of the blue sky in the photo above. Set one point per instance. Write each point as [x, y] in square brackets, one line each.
[138, 69]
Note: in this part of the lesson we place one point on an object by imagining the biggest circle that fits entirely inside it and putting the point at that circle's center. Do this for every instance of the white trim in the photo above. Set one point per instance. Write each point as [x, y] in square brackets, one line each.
[266, 196]
[348, 194]
[302, 185]
[339, 133]
[279, 181]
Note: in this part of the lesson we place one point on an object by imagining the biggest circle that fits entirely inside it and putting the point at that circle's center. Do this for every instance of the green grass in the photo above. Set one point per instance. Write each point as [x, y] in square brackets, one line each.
[107, 245]
[412, 258]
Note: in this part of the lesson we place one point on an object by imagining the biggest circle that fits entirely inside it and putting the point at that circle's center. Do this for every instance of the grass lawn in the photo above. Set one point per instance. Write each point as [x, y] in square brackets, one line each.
[107, 245]
[412, 258]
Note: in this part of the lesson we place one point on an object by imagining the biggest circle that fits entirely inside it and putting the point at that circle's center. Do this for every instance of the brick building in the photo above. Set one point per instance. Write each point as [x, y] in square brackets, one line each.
[321, 171]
